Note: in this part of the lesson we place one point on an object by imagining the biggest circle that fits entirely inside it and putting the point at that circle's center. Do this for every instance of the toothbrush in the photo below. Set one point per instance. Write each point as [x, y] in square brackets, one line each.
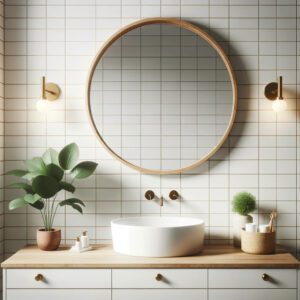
[273, 216]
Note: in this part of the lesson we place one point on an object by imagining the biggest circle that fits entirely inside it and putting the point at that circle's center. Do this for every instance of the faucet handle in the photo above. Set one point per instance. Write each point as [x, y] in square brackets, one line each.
[173, 195]
[149, 195]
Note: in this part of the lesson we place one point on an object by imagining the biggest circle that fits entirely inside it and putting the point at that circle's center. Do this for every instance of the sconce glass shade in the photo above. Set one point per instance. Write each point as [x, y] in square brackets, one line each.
[273, 92]
[279, 105]
[50, 93]
[43, 105]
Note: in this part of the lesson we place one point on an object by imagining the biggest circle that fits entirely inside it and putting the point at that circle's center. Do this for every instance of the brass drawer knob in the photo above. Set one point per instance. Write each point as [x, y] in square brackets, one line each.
[39, 277]
[265, 277]
[149, 195]
[173, 195]
[159, 277]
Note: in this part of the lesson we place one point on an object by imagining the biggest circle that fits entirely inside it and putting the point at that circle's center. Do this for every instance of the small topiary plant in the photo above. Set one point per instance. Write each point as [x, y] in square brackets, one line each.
[244, 203]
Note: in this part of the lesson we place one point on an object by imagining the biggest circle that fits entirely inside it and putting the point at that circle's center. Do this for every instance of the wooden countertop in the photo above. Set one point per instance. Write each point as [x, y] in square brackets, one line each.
[102, 256]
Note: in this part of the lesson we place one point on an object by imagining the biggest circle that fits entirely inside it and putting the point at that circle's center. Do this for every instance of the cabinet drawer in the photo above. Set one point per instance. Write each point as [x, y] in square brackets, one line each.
[252, 278]
[146, 278]
[178, 294]
[58, 278]
[245, 294]
[60, 294]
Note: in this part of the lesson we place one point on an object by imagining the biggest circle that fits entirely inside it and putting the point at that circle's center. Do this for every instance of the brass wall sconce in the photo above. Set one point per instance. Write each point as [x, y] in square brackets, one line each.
[273, 92]
[50, 92]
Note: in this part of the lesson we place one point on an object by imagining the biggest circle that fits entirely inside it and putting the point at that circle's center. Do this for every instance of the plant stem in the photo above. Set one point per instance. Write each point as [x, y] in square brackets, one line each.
[57, 204]
[43, 213]
[52, 214]
[48, 203]
[47, 214]
[42, 217]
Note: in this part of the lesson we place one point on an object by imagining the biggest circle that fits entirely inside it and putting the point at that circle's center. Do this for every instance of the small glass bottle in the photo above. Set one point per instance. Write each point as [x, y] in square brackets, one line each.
[77, 245]
[84, 239]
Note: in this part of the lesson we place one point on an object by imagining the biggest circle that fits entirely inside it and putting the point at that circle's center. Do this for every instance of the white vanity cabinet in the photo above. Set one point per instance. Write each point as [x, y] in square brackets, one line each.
[249, 284]
[215, 274]
[58, 294]
[58, 284]
[149, 284]
[164, 284]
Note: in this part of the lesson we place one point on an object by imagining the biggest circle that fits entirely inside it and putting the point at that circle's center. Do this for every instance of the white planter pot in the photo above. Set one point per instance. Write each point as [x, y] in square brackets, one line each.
[239, 222]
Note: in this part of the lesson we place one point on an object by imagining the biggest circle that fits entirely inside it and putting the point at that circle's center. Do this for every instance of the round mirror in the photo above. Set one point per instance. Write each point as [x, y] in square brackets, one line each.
[161, 96]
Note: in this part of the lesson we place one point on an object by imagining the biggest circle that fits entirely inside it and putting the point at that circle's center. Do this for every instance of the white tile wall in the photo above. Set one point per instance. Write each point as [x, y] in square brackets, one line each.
[1, 133]
[59, 39]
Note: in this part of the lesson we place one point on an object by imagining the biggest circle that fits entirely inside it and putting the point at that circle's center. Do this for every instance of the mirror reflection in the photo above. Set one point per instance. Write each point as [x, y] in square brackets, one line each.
[161, 97]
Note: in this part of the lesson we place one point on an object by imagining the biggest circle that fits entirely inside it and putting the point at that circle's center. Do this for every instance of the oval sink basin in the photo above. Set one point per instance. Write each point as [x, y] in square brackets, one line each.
[158, 236]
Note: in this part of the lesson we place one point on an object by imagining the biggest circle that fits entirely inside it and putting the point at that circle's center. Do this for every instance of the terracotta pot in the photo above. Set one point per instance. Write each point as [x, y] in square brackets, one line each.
[48, 240]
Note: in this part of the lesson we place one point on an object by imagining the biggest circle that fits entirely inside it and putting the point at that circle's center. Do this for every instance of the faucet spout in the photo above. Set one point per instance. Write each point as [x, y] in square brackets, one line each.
[161, 201]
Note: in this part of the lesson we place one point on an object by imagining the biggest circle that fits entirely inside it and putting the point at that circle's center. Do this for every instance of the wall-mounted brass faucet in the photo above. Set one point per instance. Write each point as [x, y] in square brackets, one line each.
[173, 195]
[161, 202]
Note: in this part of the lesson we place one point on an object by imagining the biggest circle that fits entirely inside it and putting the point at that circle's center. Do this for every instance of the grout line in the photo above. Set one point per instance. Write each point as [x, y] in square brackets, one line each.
[160, 109]
[26, 221]
[3, 156]
[276, 117]
[297, 133]
[121, 177]
[95, 141]
[141, 188]
[258, 128]
[209, 160]
[65, 103]
[180, 175]
[229, 147]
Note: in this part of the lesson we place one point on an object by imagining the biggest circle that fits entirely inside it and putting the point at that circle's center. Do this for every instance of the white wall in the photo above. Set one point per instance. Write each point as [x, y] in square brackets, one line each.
[1, 129]
[59, 38]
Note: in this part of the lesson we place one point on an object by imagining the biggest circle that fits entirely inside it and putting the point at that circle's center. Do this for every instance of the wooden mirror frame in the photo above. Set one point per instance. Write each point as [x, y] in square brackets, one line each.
[188, 26]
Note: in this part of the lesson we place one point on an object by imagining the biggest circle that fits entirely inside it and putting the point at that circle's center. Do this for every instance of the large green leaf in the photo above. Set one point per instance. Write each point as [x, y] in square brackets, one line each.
[31, 199]
[54, 171]
[77, 207]
[50, 157]
[67, 186]
[38, 204]
[84, 169]
[71, 201]
[30, 176]
[22, 185]
[68, 156]
[35, 165]
[45, 186]
[17, 203]
[17, 172]
[74, 203]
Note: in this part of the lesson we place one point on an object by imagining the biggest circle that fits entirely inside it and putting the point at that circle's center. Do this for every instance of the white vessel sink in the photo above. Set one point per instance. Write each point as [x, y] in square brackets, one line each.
[158, 236]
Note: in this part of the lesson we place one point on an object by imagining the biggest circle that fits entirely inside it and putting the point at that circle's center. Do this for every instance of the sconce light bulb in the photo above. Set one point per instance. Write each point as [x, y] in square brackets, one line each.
[43, 106]
[279, 105]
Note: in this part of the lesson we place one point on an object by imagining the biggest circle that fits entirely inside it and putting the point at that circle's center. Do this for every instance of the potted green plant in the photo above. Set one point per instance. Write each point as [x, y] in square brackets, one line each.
[243, 203]
[43, 178]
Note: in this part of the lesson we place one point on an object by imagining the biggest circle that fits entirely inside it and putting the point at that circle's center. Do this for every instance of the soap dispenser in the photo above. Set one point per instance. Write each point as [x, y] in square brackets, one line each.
[77, 246]
[84, 240]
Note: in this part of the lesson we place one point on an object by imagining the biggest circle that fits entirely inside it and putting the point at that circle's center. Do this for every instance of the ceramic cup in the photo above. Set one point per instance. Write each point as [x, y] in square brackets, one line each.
[264, 228]
[251, 227]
